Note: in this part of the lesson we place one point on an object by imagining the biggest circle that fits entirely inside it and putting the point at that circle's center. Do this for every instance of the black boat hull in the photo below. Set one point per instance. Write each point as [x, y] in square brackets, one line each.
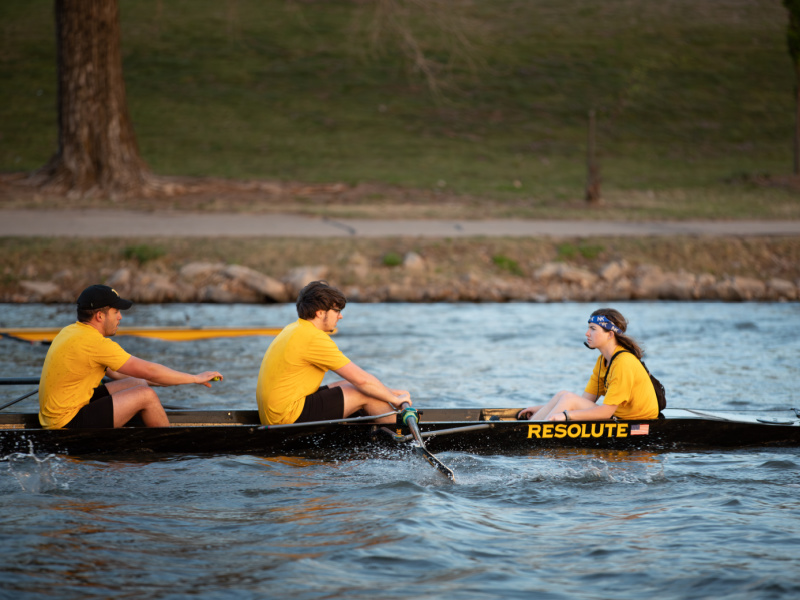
[480, 431]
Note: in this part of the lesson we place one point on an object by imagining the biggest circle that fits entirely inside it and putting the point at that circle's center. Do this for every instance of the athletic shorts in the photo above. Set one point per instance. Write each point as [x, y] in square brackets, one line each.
[98, 414]
[323, 405]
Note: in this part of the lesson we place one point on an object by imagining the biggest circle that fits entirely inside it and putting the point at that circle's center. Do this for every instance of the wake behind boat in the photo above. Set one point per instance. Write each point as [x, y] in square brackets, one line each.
[475, 430]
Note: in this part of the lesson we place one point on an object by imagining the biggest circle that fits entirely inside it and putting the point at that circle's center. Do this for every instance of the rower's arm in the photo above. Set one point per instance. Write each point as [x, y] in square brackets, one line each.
[159, 374]
[371, 386]
[117, 376]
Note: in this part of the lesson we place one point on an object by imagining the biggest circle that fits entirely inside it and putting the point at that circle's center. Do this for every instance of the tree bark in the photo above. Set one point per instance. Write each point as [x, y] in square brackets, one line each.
[793, 42]
[97, 150]
[593, 196]
[797, 124]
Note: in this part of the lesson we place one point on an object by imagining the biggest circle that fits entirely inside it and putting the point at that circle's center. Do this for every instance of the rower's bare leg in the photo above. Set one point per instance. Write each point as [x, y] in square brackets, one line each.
[138, 399]
[545, 409]
[355, 400]
[563, 400]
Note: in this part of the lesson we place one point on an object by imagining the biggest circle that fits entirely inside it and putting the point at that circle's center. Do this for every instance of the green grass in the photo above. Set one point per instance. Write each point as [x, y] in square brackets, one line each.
[142, 253]
[507, 264]
[692, 99]
[392, 259]
[569, 251]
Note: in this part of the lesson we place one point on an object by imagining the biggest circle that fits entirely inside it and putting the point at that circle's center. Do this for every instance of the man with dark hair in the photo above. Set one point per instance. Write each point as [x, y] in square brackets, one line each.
[71, 393]
[291, 372]
[318, 295]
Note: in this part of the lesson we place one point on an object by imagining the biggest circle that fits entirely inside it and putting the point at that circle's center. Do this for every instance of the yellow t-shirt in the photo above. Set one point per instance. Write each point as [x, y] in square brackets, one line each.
[292, 368]
[75, 364]
[629, 387]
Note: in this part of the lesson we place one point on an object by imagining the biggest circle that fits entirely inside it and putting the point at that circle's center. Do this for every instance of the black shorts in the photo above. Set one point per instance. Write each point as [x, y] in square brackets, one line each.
[325, 404]
[98, 414]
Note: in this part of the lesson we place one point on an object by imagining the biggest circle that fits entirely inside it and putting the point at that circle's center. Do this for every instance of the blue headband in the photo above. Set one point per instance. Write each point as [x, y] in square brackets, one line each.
[604, 323]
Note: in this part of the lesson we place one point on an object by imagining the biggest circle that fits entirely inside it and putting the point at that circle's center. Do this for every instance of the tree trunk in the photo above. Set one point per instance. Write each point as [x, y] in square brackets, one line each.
[593, 170]
[97, 150]
[797, 124]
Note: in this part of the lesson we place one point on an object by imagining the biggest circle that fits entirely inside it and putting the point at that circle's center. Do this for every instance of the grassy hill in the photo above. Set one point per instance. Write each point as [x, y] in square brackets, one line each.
[694, 100]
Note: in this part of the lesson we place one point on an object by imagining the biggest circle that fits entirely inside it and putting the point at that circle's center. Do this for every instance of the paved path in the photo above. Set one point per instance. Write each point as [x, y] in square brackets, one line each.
[117, 223]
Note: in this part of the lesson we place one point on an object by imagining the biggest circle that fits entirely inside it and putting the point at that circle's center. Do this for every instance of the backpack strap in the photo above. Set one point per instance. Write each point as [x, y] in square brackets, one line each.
[605, 377]
[608, 368]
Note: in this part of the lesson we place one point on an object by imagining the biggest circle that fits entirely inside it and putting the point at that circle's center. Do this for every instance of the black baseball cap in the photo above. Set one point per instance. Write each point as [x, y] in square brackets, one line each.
[100, 296]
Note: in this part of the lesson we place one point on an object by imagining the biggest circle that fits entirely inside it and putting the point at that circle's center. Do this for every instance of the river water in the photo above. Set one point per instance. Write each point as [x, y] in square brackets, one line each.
[560, 524]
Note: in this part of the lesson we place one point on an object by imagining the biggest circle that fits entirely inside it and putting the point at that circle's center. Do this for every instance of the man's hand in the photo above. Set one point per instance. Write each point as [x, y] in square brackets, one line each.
[402, 396]
[207, 377]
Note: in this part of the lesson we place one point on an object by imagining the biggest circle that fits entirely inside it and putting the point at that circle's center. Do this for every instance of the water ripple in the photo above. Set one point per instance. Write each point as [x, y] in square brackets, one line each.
[553, 524]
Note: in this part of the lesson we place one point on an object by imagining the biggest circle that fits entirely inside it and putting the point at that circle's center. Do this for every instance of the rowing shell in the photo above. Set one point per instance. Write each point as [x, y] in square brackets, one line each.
[171, 334]
[477, 430]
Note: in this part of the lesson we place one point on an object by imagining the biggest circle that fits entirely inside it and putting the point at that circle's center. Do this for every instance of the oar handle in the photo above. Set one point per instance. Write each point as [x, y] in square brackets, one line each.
[410, 418]
[408, 414]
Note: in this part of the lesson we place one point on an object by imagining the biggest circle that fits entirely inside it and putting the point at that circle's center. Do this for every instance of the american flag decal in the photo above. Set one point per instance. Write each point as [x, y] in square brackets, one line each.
[642, 429]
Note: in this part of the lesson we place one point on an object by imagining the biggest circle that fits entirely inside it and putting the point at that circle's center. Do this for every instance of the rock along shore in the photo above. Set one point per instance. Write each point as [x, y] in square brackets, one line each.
[414, 280]
[51, 255]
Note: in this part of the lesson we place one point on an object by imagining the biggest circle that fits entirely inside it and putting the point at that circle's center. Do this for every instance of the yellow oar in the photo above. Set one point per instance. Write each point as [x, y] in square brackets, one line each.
[171, 334]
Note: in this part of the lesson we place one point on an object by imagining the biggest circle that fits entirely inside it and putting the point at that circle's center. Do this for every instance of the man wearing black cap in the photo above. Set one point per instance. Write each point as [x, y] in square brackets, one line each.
[70, 390]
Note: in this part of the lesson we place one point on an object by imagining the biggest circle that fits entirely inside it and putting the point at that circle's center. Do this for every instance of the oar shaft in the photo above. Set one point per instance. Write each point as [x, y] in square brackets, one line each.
[20, 399]
[313, 423]
[409, 418]
[413, 427]
[19, 380]
[429, 434]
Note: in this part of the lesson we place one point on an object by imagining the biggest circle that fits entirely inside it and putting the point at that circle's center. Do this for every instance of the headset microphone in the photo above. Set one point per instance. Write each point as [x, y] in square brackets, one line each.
[587, 345]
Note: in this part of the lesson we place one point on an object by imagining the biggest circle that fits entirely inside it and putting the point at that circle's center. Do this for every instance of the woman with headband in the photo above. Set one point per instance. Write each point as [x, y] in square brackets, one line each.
[618, 375]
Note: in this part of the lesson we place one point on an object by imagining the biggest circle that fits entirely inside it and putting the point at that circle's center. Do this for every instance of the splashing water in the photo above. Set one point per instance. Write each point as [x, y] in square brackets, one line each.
[35, 473]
